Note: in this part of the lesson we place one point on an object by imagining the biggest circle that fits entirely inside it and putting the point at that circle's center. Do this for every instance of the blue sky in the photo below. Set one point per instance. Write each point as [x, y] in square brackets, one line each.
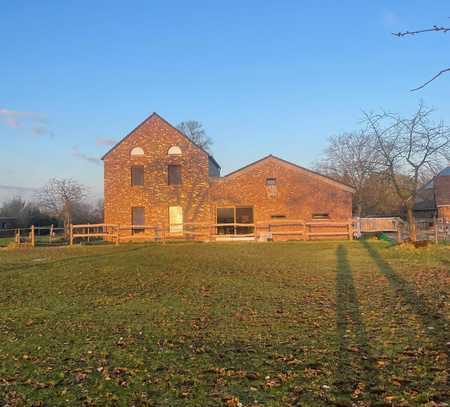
[274, 77]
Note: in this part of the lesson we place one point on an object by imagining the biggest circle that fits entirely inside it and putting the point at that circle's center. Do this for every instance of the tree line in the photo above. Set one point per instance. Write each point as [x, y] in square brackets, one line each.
[388, 160]
[60, 202]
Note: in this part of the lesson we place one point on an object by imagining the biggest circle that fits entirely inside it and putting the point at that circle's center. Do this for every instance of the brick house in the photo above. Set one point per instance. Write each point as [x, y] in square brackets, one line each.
[157, 176]
[433, 199]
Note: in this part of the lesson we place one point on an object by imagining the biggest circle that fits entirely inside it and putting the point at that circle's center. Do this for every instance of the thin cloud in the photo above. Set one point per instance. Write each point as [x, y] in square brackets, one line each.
[35, 122]
[390, 20]
[78, 154]
[105, 141]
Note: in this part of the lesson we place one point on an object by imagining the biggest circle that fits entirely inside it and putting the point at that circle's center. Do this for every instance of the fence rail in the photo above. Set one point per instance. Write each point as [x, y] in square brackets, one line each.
[261, 231]
[434, 229]
[283, 229]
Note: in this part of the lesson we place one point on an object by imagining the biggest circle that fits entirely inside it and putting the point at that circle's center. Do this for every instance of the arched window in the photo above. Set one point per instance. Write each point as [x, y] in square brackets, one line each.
[174, 150]
[137, 151]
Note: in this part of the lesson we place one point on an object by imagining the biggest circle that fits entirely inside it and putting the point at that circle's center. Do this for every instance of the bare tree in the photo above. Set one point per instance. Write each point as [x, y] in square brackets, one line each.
[353, 159]
[435, 28]
[194, 130]
[409, 148]
[61, 197]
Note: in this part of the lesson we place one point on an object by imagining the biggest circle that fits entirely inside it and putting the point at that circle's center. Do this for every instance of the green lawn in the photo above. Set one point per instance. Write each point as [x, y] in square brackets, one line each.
[275, 324]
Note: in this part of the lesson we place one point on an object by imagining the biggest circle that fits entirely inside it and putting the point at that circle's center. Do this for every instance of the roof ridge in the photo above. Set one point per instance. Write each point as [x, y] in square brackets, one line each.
[153, 114]
[290, 163]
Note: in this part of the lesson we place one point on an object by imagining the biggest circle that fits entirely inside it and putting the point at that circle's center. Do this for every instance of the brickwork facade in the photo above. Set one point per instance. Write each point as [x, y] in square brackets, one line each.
[274, 188]
[294, 193]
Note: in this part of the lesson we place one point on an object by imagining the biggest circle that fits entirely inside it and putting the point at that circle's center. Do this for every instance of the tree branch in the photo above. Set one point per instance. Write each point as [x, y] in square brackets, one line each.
[435, 28]
[432, 79]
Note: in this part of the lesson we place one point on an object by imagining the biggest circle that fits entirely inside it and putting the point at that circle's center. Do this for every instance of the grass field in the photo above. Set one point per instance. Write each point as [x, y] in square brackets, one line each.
[307, 324]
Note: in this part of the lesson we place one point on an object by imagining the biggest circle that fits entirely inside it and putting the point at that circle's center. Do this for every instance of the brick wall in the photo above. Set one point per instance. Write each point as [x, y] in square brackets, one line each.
[155, 137]
[299, 193]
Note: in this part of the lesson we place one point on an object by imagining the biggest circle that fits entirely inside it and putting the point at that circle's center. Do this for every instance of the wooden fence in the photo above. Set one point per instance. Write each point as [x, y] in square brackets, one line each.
[34, 236]
[261, 231]
[426, 229]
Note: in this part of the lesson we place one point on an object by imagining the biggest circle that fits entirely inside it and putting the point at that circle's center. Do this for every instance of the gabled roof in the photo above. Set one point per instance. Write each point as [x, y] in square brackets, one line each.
[445, 172]
[314, 173]
[155, 115]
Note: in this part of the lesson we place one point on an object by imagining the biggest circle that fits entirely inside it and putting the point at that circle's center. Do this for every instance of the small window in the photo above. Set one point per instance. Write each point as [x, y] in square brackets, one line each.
[138, 219]
[174, 150]
[271, 187]
[137, 175]
[278, 216]
[136, 151]
[174, 174]
[320, 216]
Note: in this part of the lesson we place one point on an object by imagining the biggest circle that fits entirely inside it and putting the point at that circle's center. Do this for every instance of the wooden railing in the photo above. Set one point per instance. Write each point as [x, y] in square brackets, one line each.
[269, 230]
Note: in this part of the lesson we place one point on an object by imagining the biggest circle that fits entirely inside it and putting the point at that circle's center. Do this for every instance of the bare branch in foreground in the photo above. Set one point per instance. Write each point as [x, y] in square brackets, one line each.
[432, 79]
[435, 28]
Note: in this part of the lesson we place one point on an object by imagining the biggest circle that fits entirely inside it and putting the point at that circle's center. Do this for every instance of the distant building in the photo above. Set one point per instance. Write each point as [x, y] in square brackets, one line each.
[7, 224]
[433, 199]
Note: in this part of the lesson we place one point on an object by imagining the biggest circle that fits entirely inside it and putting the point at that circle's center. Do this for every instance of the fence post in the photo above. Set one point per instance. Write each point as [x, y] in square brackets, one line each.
[50, 236]
[71, 234]
[117, 235]
[33, 240]
[436, 236]
[350, 230]
[18, 236]
[399, 231]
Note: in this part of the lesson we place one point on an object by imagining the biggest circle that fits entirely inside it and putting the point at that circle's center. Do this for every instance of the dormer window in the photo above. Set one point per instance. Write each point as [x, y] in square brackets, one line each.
[137, 151]
[174, 150]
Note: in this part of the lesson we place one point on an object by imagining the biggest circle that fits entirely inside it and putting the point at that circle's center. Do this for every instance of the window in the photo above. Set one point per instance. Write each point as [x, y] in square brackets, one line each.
[137, 151]
[175, 219]
[174, 174]
[224, 216]
[271, 187]
[231, 216]
[137, 175]
[244, 215]
[138, 219]
[174, 150]
[320, 216]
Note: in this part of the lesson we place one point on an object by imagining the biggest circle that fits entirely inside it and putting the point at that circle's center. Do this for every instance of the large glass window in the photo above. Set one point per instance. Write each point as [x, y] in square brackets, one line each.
[243, 216]
[225, 216]
[232, 220]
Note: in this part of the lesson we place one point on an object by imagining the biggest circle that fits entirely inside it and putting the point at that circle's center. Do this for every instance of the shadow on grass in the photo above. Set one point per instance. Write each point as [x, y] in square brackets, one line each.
[435, 324]
[356, 371]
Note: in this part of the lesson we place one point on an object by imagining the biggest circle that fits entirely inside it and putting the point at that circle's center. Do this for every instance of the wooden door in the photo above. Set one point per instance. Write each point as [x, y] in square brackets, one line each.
[175, 219]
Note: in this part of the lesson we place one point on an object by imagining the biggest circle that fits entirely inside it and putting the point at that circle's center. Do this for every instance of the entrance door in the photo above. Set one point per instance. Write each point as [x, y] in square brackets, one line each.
[175, 219]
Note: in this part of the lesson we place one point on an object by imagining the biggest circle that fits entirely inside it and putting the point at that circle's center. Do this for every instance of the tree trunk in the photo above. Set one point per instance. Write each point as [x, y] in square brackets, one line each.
[67, 220]
[412, 223]
[359, 209]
